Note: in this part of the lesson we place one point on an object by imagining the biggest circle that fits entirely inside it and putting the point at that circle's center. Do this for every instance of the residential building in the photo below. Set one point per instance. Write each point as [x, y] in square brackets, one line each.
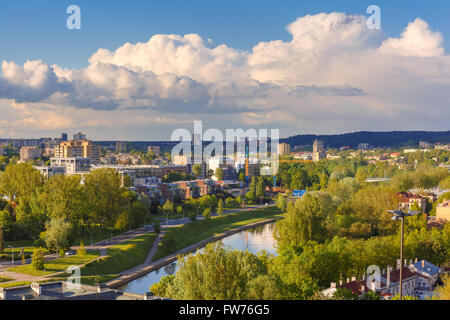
[318, 151]
[155, 149]
[181, 160]
[195, 188]
[73, 165]
[78, 149]
[443, 210]
[364, 146]
[407, 200]
[49, 172]
[425, 145]
[121, 146]
[79, 136]
[284, 149]
[30, 153]
[418, 279]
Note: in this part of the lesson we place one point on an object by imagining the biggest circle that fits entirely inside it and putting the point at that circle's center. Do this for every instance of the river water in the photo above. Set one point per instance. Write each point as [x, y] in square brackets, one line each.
[253, 240]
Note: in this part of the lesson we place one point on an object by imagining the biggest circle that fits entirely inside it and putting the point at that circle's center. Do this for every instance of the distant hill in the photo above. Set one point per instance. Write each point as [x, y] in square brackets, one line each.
[392, 139]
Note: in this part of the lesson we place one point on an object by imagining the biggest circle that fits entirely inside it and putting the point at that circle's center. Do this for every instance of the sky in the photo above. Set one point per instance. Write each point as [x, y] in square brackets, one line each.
[137, 70]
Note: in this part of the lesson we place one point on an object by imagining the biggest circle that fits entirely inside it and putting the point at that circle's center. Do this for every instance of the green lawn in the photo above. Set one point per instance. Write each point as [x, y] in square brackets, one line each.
[28, 251]
[5, 279]
[192, 233]
[19, 243]
[56, 265]
[15, 284]
[119, 258]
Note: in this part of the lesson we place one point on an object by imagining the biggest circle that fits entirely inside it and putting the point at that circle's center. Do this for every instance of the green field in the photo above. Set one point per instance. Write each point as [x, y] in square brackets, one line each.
[119, 258]
[192, 233]
[56, 265]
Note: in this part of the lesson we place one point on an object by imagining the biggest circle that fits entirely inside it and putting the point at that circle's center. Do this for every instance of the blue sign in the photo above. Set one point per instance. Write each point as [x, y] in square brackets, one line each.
[298, 193]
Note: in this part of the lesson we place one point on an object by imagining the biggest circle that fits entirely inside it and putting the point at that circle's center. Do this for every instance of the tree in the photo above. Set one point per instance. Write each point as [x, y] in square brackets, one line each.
[220, 207]
[281, 202]
[344, 294]
[219, 174]
[81, 250]
[303, 222]
[207, 213]
[105, 197]
[197, 170]
[38, 259]
[58, 234]
[370, 295]
[2, 243]
[19, 180]
[443, 292]
[127, 181]
[445, 184]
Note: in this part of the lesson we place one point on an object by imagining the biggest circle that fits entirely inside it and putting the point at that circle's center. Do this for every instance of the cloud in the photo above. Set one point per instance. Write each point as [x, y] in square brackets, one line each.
[334, 74]
[417, 40]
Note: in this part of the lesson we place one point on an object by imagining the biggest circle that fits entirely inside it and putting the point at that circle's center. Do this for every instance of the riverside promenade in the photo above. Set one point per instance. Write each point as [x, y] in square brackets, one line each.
[143, 269]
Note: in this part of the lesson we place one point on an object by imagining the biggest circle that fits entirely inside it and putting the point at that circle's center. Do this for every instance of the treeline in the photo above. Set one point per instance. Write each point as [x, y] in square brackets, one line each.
[378, 139]
[60, 209]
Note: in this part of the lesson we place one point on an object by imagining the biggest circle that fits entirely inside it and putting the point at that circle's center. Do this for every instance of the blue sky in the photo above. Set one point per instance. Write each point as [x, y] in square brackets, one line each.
[36, 29]
[298, 66]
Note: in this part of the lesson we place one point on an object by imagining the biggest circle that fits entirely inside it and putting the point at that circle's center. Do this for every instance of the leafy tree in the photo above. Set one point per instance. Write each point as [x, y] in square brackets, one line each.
[104, 195]
[219, 174]
[397, 297]
[59, 234]
[38, 259]
[20, 180]
[370, 295]
[344, 294]
[207, 213]
[81, 250]
[157, 227]
[443, 292]
[281, 202]
[127, 181]
[161, 288]
[2, 243]
[220, 207]
[197, 170]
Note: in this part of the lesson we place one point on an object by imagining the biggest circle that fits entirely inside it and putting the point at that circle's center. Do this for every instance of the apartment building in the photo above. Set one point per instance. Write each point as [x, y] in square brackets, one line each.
[72, 165]
[121, 146]
[78, 149]
[407, 200]
[284, 149]
[30, 153]
[155, 149]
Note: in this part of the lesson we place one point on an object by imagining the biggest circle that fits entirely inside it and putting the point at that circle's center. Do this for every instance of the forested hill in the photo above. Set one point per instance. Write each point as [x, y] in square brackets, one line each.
[377, 139]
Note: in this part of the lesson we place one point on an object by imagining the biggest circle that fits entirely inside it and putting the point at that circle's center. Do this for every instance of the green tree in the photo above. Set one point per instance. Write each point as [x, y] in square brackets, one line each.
[219, 174]
[207, 213]
[344, 294]
[2, 243]
[197, 170]
[281, 202]
[59, 234]
[220, 207]
[81, 250]
[38, 259]
[20, 180]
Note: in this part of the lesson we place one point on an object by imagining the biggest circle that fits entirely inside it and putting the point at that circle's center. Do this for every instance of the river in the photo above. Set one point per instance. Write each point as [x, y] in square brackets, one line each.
[253, 240]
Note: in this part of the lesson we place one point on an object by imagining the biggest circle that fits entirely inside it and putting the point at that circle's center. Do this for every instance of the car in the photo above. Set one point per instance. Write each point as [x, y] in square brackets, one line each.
[71, 253]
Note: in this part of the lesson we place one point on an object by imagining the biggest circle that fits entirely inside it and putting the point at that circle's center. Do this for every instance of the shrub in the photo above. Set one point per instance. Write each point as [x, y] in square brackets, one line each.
[38, 259]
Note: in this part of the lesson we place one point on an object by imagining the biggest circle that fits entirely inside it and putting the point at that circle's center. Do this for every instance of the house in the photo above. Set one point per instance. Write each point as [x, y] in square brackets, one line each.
[418, 279]
[407, 200]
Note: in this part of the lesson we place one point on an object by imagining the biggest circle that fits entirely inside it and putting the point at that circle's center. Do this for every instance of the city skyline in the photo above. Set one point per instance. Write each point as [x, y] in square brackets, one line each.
[311, 68]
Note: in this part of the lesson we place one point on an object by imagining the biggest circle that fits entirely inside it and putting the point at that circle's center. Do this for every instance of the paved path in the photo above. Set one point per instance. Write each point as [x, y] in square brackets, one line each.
[103, 245]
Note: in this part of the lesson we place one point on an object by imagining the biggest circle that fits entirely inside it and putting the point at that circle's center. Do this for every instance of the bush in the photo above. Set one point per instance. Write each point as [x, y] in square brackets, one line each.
[82, 250]
[38, 261]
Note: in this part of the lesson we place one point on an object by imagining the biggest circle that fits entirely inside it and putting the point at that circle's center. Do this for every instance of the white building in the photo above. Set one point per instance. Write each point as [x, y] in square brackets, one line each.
[72, 165]
[418, 279]
[51, 171]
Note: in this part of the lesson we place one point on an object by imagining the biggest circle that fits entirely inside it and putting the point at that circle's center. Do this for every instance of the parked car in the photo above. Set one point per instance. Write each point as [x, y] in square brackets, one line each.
[71, 253]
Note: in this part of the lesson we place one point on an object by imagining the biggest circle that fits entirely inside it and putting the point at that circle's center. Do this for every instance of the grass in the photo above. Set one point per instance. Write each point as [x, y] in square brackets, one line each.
[5, 279]
[28, 252]
[15, 284]
[19, 243]
[119, 258]
[56, 265]
[192, 233]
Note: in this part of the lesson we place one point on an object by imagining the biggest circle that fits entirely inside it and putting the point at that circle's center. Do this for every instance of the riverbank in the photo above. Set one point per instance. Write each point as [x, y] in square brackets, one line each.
[126, 278]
